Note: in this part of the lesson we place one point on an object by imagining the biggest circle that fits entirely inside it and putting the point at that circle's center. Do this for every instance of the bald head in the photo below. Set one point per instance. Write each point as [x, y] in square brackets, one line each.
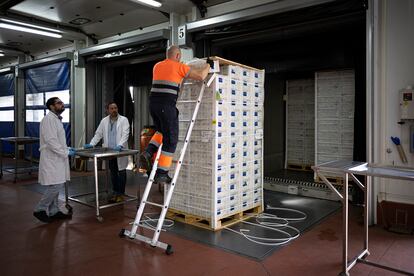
[174, 53]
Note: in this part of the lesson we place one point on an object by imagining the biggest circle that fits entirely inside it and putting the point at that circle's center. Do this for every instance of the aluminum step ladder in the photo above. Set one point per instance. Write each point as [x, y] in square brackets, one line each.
[164, 207]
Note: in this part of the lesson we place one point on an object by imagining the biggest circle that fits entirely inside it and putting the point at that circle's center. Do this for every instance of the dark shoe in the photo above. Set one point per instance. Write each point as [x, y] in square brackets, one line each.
[145, 160]
[119, 198]
[42, 216]
[60, 215]
[116, 199]
[112, 199]
[162, 178]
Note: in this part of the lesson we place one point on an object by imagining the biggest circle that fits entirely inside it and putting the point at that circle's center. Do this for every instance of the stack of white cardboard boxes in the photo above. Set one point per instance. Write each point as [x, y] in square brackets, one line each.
[222, 172]
[300, 128]
[335, 108]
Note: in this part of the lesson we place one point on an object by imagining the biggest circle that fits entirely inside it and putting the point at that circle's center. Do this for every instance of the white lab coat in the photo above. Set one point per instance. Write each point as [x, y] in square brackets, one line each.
[54, 161]
[122, 134]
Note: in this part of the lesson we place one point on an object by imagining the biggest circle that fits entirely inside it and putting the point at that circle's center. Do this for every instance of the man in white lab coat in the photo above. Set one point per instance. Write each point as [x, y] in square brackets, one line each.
[54, 162]
[114, 130]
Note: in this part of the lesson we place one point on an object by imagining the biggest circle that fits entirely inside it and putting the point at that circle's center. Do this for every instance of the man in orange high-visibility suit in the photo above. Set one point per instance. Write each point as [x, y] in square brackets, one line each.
[167, 77]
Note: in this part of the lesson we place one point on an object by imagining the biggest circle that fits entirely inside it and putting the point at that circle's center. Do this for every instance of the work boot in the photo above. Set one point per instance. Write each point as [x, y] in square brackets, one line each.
[60, 215]
[119, 198]
[162, 178]
[116, 199]
[42, 216]
[145, 160]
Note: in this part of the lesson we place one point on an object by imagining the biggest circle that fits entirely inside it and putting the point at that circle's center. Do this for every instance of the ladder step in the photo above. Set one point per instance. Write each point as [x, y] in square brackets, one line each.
[187, 101]
[154, 204]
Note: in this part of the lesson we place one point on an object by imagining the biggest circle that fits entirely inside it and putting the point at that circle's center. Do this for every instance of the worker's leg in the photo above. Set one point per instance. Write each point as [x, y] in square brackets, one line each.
[54, 211]
[156, 140]
[122, 181]
[113, 167]
[145, 157]
[54, 205]
[42, 208]
[169, 124]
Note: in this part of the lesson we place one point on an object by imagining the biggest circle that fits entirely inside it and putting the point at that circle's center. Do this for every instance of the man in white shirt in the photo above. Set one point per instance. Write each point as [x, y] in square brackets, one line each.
[114, 130]
[54, 162]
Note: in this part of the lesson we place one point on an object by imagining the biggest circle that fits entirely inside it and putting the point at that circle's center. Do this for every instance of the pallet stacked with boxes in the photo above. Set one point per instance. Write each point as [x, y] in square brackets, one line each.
[335, 105]
[221, 179]
[300, 125]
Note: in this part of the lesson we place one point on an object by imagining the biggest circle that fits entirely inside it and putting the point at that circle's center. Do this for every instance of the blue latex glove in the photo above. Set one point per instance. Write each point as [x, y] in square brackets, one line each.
[396, 140]
[118, 148]
[87, 146]
[71, 152]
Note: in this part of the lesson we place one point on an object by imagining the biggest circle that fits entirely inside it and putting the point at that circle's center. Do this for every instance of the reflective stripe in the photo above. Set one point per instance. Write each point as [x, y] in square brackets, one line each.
[155, 143]
[156, 139]
[165, 161]
[164, 90]
[166, 153]
[164, 82]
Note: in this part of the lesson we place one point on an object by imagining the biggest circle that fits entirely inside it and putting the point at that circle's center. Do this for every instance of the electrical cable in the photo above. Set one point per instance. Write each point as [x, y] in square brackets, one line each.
[263, 221]
[148, 221]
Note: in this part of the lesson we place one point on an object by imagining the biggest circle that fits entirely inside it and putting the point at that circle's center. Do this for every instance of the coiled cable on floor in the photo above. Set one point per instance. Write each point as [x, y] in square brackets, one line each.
[263, 222]
[152, 222]
[289, 210]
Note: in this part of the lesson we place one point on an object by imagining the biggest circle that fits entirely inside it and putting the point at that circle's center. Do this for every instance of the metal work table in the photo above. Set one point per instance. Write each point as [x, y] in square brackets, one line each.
[18, 141]
[349, 169]
[103, 154]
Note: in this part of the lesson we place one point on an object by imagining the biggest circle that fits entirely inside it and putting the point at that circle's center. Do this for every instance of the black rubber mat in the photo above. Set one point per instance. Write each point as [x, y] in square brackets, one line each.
[315, 209]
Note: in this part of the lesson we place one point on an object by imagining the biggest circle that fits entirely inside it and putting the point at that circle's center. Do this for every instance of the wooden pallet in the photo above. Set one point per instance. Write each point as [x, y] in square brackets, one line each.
[337, 180]
[297, 167]
[207, 223]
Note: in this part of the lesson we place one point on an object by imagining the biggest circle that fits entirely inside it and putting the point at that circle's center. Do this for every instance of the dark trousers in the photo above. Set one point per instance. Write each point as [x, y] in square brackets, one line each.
[118, 177]
[165, 117]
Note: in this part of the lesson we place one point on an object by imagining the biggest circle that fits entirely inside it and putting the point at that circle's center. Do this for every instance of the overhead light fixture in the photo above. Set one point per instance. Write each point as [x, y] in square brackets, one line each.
[151, 3]
[7, 69]
[29, 28]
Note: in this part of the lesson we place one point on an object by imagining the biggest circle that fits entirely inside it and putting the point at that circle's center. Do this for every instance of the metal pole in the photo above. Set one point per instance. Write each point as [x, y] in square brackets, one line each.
[366, 209]
[95, 163]
[1, 158]
[16, 154]
[345, 227]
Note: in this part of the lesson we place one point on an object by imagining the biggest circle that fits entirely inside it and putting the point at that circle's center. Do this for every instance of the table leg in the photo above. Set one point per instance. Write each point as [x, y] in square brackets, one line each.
[345, 227]
[107, 176]
[1, 159]
[31, 158]
[16, 156]
[95, 163]
[366, 209]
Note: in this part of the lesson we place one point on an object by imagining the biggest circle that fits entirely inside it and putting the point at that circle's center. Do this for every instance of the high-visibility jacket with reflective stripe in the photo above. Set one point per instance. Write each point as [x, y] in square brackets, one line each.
[167, 77]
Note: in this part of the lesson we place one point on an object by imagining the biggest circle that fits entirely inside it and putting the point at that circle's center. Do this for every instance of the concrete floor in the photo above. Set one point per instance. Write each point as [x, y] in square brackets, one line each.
[83, 246]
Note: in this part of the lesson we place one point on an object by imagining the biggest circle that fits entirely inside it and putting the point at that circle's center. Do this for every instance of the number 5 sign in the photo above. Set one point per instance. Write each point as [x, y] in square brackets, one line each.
[182, 35]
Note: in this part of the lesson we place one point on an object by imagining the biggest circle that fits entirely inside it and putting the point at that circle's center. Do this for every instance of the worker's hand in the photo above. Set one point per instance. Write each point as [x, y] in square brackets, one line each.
[71, 152]
[87, 146]
[210, 62]
[118, 148]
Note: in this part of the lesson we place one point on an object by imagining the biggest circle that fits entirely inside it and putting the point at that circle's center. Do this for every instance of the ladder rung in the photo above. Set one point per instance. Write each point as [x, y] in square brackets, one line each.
[187, 101]
[154, 204]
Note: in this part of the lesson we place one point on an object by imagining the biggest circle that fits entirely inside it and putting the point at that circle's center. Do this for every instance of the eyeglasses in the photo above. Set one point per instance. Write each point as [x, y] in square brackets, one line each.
[58, 102]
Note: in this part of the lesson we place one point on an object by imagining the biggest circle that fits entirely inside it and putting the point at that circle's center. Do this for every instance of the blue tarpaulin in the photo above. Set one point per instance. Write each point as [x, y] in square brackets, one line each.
[7, 128]
[48, 78]
[52, 77]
